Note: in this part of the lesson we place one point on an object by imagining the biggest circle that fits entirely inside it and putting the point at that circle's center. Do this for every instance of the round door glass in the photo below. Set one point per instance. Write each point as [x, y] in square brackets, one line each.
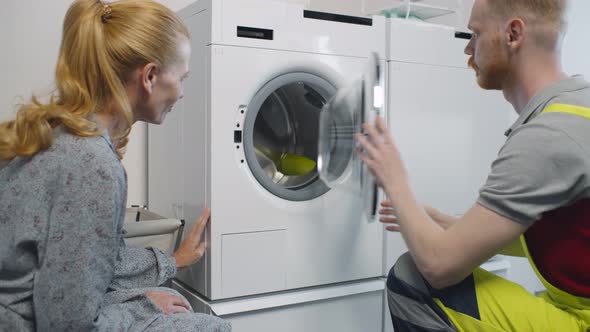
[281, 132]
[339, 122]
[342, 118]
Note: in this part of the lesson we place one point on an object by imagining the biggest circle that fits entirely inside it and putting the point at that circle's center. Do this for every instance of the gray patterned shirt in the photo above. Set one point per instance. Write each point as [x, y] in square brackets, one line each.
[64, 265]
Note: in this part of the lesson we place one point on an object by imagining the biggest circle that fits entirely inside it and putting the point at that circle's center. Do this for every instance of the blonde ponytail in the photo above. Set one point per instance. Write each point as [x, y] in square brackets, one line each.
[101, 45]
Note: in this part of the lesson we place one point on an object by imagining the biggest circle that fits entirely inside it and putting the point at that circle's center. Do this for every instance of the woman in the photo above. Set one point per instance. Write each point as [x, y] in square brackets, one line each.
[63, 263]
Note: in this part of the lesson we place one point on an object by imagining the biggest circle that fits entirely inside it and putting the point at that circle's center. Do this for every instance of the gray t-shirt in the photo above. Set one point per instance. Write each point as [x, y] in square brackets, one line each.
[545, 162]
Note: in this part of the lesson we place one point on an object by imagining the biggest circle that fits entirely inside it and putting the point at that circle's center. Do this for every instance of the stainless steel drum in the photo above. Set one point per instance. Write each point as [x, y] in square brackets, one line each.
[281, 132]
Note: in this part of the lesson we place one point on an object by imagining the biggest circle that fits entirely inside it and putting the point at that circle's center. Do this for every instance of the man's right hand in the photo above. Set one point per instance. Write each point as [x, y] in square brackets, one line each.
[169, 303]
[388, 217]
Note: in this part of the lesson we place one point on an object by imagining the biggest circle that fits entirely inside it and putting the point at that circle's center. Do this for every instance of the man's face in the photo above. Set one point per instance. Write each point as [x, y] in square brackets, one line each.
[488, 52]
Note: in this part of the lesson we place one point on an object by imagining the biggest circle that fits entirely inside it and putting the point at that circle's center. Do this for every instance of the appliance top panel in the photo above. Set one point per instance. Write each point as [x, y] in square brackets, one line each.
[283, 25]
[426, 43]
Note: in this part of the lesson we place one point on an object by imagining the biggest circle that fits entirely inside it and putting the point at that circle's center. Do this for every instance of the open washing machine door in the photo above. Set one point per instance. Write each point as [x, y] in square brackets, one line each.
[341, 118]
[281, 134]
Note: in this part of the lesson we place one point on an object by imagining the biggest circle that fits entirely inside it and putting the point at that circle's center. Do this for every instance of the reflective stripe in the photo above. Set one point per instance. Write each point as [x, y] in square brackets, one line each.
[568, 109]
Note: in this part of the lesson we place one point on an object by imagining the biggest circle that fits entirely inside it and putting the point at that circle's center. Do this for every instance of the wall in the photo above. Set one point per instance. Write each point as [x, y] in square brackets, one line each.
[30, 38]
[576, 48]
[459, 19]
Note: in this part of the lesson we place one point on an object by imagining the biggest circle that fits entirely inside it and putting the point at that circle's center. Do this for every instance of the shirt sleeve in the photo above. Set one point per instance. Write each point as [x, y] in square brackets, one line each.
[539, 169]
[78, 261]
[141, 267]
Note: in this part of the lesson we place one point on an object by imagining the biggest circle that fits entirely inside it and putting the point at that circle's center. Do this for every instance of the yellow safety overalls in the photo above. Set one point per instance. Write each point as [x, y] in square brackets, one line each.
[506, 306]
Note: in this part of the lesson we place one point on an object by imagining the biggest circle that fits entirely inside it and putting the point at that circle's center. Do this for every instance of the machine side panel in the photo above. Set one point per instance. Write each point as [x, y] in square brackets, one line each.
[448, 140]
[426, 43]
[196, 152]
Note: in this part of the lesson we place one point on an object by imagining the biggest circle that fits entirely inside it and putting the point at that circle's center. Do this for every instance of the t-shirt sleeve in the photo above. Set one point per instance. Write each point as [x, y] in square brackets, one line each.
[539, 169]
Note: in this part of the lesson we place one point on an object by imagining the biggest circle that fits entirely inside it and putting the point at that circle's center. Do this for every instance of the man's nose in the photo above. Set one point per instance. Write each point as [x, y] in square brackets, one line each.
[469, 48]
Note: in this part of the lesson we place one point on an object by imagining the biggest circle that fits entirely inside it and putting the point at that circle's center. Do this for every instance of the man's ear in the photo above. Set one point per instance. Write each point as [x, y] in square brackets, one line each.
[515, 33]
[149, 75]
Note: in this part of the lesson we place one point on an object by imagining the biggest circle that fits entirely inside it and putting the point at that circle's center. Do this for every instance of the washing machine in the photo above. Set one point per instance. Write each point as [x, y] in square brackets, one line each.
[245, 142]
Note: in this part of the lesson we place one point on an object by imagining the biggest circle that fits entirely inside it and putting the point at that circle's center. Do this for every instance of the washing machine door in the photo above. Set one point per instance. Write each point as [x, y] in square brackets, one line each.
[340, 120]
[281, 135]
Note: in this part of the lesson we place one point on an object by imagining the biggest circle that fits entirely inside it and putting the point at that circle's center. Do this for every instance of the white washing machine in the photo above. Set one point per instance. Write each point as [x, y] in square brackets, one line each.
[244, 141]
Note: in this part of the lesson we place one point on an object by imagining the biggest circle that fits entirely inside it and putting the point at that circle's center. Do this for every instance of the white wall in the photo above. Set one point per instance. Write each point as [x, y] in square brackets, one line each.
[30, 39]
[576, 48]
[459, 19]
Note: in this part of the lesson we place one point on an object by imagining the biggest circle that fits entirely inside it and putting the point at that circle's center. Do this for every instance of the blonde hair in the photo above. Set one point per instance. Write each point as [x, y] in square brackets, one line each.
[102, 44]
[546, 16]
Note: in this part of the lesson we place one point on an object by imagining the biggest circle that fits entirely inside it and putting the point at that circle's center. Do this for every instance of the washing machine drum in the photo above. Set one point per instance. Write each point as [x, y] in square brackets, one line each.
[281, 133]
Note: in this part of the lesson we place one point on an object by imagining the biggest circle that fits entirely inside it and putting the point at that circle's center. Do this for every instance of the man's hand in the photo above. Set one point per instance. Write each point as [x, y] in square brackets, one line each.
[192, 249]
[388, 217]
[379, 152]
[169, 303]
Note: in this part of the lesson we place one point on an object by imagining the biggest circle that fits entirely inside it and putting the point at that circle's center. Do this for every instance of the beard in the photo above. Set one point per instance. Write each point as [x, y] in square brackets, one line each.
[494, 72]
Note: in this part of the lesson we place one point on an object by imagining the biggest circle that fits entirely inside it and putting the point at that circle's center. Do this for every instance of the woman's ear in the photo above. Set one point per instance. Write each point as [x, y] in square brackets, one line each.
[149, 75]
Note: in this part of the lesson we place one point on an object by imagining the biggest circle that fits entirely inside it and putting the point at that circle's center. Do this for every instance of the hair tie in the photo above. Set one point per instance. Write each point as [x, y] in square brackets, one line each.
[107, 10]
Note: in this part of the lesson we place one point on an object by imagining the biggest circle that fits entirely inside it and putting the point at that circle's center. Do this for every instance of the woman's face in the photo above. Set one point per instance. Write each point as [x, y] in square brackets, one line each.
[160, 88]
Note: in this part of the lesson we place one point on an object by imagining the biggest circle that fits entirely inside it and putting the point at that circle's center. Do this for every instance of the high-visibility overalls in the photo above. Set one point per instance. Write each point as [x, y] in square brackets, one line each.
[506, 306]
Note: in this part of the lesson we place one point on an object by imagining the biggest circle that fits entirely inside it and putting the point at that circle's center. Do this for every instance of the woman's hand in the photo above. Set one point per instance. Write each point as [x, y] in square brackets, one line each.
[169, 303]
[192, 249]
[378, 151]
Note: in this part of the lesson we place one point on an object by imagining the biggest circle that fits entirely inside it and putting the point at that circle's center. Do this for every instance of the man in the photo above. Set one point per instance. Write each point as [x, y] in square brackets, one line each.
[537, 195]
